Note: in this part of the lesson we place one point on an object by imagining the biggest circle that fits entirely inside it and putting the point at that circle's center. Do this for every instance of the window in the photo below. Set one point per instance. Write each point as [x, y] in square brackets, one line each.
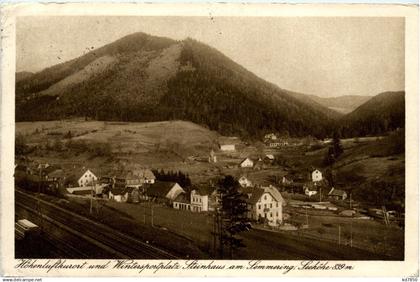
[259, 207]
[271, 215]
[277, 205]
[277, 214]
[265, 197]
[271, 205]
[265, 206]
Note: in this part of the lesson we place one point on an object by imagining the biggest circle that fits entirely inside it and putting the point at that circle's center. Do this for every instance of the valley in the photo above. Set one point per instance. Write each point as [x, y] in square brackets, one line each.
[155, 138]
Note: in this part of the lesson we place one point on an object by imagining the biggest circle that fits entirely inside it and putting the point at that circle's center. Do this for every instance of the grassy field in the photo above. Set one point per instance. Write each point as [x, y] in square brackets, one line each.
[371, 235]
[168, 145]
[198, 227]
[185, 146]
[189, 234]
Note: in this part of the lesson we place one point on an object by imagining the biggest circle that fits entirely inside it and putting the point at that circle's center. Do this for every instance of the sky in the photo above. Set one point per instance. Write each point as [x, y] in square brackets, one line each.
[324, 56]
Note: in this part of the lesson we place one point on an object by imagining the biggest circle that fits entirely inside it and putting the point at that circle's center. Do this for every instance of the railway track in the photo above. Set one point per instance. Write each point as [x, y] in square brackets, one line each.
[115, 243]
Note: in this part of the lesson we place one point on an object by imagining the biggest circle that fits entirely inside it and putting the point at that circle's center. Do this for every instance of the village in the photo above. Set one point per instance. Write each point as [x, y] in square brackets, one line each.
[267, 202]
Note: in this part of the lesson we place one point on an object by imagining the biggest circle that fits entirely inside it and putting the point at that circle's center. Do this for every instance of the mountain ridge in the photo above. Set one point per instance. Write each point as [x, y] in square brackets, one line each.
[382, 113]
[148, 78]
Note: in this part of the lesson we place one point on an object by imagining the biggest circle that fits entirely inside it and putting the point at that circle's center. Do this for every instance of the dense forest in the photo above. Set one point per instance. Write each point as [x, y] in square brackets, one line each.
[206, 87]
[146, 78]
[381, 114]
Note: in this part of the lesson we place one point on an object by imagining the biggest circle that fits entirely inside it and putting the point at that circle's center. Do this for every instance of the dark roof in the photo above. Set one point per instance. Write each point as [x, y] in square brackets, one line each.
[253, 194]
[82, 192]
[121, 190]
[204, 189]
[58, 173]
[50, 169]
[337, 192]
[229, 140]
[160, 189]
[78, 172]
[183, 198]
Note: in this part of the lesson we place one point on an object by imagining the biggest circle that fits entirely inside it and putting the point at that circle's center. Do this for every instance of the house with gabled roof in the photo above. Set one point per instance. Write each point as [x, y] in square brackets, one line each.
[182, 202]
[264, 203]
[120, 193]
[247, 162]
[228, 143]
[316, 175]
[203, 198]
[164, 191]
[86, 178]
[337, 194]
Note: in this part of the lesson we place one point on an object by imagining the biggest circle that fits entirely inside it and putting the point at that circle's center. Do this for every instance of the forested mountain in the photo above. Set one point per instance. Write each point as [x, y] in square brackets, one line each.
[380, 114]
[146, 78]
[22, 75]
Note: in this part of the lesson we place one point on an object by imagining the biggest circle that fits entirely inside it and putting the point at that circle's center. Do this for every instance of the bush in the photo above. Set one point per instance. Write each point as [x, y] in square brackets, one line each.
[68, 135]
[21, 147]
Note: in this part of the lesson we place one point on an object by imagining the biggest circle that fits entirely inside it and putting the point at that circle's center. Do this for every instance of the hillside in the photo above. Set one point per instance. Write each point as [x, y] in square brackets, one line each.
[146, 78]
[382, 113]
[23, 75]
[343, 104]
[338, 106]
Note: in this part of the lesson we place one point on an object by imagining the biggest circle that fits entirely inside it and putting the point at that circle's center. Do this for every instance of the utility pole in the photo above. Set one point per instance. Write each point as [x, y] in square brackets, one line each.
[351, 232]
[152, 214]
[339, 234]
[320, 194]
[39, 194]
[144, 215]
[214, 233]
[91, 196]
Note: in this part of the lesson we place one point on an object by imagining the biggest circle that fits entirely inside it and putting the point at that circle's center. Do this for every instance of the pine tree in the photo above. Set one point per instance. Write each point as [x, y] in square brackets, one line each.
[233, 215]
[337, 148]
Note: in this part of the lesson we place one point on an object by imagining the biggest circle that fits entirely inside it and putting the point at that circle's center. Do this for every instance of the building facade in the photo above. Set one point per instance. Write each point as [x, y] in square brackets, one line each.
[87, 179]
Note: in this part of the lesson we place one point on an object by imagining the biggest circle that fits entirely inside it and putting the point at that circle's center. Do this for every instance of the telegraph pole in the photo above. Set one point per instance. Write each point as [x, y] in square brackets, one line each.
[91, 196]
[152, 214]
[39, 194]
[339, 234]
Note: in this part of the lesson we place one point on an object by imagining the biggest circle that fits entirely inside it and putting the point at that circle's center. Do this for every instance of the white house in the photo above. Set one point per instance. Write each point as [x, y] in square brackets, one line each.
[199, 201]
[310, 193]
[247, 163]
[286, 180]
[212, 157]
[271, 136]
[310, 189]
[316, 175]
[244, 182]
[228, 143]
[147, 176]
[227, 147]
[269, 157]
[265, 203]
[87, 178]
[120, 194]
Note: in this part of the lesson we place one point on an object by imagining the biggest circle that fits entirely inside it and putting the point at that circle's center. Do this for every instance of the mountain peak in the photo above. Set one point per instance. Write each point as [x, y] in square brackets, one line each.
[147, 78]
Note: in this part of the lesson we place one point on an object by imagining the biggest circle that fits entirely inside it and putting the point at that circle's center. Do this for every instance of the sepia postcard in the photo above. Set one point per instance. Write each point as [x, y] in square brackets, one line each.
[209, 140]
